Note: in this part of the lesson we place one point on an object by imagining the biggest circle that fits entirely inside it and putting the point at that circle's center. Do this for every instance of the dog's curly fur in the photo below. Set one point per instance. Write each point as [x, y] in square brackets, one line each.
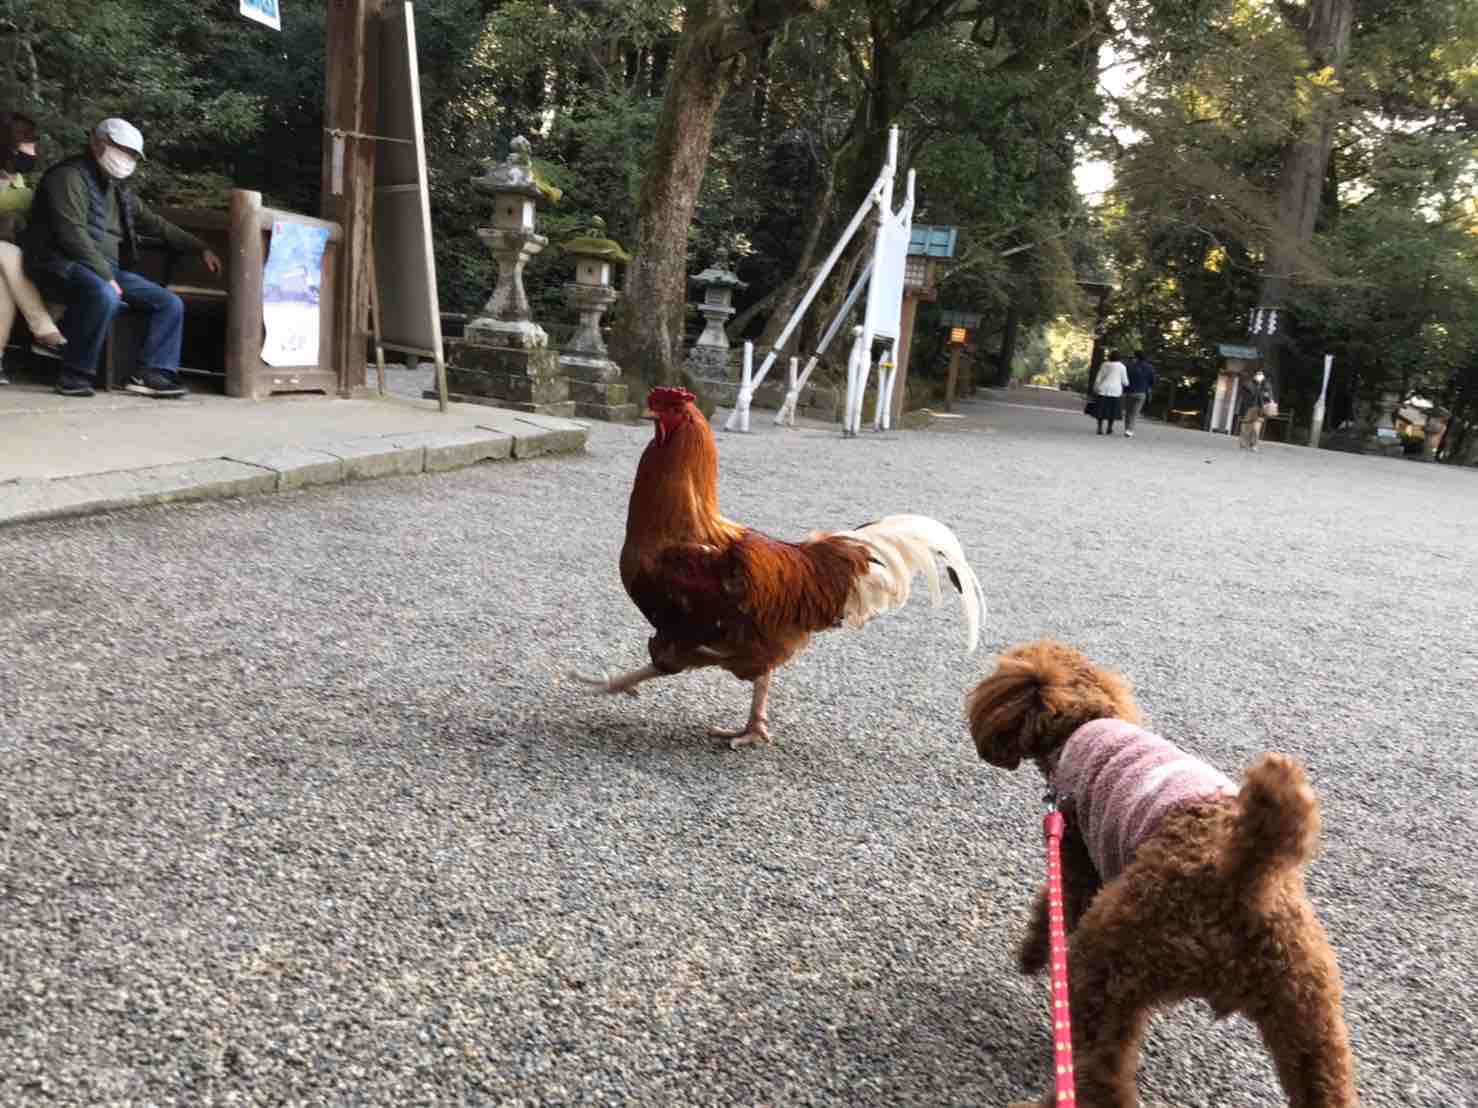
[1212, 905]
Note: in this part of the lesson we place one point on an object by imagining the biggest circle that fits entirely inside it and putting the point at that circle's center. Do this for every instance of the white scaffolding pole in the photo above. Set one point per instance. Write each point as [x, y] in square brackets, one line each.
[786, 414]
[746, 390]
[882, 192]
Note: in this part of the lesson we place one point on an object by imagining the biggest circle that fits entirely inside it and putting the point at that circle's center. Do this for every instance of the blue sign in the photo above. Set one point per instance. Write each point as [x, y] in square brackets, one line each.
[263, 11]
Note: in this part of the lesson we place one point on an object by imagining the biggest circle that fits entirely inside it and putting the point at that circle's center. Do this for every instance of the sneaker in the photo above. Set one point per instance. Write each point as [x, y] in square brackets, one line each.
[1128, 434]
[4, 380]
[74, 386]
[156, 382]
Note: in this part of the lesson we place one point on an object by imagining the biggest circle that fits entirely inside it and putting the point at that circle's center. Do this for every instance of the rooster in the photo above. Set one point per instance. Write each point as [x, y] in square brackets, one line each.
[722, 594]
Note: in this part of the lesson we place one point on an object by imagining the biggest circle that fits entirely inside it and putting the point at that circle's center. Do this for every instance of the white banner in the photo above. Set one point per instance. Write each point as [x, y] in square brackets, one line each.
[262, 11]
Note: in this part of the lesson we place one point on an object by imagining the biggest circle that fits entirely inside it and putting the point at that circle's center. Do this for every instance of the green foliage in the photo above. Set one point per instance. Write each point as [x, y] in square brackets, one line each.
[1388, 284]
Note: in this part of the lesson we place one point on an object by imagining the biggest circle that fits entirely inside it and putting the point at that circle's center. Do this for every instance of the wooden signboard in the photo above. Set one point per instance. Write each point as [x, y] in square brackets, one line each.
[407, 314]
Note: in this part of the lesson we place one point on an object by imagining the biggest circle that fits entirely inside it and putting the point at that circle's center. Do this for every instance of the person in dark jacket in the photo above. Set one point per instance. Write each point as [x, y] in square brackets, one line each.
[80, 243]
[1141, 380]
[1250, 400]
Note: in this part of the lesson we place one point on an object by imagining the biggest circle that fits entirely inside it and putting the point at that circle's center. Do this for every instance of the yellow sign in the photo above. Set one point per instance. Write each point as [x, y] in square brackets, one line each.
[957, 334]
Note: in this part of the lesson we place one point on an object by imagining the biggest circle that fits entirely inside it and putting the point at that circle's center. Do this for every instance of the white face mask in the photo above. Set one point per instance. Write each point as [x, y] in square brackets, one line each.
[117, 164]
[1257, 376]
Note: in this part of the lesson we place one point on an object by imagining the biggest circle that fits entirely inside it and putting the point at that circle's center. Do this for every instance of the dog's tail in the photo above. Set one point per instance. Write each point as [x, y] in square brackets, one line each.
[1277, 822]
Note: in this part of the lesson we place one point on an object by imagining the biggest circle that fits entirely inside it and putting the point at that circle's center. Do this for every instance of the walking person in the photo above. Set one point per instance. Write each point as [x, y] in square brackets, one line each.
[1254, 404]
[80, 246]
[1141, 380]
[18, 156]
[1108, 387]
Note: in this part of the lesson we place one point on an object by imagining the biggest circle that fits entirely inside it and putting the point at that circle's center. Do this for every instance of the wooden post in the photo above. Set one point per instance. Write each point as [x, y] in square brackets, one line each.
[244, 268]
[351, 107]
[954, 376]
[904, 349]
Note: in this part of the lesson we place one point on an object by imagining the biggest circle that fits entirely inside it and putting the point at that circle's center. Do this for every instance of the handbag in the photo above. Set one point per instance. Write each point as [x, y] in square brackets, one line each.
[1269, 409]
[1090, 406]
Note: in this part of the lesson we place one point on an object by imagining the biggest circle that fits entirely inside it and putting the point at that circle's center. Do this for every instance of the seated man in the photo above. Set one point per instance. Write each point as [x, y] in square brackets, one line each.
[82, 237]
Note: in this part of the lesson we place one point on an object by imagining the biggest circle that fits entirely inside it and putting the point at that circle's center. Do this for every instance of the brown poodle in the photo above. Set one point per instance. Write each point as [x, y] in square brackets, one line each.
[1176, 883]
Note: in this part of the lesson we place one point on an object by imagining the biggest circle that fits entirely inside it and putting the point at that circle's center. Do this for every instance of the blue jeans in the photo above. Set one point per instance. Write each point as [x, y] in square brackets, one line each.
[92, 304]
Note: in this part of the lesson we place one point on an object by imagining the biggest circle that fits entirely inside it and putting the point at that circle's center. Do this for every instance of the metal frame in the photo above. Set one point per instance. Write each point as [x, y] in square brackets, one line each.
[889, 225]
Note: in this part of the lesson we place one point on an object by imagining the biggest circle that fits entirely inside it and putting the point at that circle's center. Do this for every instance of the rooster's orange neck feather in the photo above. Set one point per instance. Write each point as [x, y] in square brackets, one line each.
[675, 496]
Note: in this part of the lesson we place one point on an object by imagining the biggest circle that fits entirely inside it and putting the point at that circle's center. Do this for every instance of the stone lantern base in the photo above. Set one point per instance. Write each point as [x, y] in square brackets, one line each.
[596, 390]
[595, 384]
[527, 379]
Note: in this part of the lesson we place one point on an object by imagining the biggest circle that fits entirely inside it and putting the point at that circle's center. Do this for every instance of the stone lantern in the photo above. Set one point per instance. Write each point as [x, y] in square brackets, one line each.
[594, 378]
[504, 358]
[1433, 431]
[710, 354]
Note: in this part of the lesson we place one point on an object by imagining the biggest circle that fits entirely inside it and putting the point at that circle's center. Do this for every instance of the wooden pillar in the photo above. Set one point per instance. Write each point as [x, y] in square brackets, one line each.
[954, 376]
[244, 275]
[351, 29]
[905, 348]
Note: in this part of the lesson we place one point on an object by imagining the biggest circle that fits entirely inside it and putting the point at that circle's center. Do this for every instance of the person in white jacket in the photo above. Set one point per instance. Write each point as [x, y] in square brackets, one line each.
[1108, 387]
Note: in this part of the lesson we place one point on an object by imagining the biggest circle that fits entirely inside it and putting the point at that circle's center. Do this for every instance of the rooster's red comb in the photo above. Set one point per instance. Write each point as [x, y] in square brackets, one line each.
[664, 396]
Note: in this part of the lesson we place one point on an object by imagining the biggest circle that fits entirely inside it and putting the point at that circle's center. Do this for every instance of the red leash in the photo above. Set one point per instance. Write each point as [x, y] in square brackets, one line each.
[1062, 1025]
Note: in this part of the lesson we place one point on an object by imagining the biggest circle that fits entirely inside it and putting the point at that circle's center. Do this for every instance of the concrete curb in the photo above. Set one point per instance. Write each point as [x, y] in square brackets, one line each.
[280, 469]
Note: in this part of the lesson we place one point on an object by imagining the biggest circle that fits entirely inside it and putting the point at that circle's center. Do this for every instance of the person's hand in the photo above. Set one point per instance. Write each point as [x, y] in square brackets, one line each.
[212, 262]
[117, 288]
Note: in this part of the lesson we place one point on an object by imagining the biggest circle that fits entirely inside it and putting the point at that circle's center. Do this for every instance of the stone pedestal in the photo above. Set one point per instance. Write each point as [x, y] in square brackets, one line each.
[526, 379]
[593, 377]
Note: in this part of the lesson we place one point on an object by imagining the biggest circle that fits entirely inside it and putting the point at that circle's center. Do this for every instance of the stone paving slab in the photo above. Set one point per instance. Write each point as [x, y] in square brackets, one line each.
[376, 456]
[257, 461]
[296, 467]
[129, 488]
[454, 449]
[541, 434]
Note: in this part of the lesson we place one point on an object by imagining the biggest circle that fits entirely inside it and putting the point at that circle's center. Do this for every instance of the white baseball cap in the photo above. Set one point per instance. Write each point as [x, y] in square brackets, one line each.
[122, 133]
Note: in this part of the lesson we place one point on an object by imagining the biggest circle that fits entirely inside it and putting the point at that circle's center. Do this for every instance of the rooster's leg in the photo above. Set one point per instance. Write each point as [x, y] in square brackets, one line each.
[625, 683]
[758, 729]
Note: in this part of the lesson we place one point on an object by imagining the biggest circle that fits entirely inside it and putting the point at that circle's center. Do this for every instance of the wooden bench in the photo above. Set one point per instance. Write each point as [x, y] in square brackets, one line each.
[223, 328]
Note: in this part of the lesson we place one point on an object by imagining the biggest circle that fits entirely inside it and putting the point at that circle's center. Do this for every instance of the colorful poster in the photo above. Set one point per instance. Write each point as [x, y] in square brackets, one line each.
[290, 294]
[263, 11]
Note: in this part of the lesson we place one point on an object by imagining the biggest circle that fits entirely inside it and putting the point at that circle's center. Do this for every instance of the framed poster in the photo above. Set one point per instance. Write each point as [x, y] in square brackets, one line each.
[291, 285]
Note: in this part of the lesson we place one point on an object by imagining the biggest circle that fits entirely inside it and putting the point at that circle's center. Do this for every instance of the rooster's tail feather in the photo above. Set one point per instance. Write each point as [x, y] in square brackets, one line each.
[902, 547]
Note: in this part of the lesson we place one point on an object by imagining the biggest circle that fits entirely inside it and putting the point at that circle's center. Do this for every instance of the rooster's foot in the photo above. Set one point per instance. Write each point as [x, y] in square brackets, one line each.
[606, 683]
[757, 732]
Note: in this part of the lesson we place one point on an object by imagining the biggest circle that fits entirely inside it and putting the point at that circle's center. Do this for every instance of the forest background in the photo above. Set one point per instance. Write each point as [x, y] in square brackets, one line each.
[1322, 155]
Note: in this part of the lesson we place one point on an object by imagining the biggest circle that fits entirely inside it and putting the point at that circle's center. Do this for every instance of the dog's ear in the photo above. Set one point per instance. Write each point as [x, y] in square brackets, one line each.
[1002, 711]
[1040, 694]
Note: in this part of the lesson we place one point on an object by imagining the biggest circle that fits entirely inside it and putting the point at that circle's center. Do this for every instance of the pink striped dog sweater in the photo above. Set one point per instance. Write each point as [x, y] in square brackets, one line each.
[1123, 780]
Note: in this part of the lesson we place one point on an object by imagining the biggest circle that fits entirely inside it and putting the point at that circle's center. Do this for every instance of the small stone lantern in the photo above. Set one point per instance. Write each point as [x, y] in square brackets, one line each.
[504, 358]
[710, 355]
[594, 384]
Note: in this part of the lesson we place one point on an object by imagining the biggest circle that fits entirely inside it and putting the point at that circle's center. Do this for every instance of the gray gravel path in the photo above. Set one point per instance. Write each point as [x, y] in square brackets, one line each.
[295, 806]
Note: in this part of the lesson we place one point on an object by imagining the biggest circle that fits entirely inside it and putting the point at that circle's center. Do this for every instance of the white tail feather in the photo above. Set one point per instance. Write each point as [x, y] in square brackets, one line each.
[903, 547]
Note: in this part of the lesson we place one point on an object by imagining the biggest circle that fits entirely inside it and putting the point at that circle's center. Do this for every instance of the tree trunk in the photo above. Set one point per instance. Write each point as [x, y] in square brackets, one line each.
[1008, 346]
[1301, 180]
[647, 337]
[649, 333]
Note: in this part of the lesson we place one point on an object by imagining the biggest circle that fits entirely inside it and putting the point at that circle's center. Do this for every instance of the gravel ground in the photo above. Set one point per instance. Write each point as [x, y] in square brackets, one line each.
[298, 808]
